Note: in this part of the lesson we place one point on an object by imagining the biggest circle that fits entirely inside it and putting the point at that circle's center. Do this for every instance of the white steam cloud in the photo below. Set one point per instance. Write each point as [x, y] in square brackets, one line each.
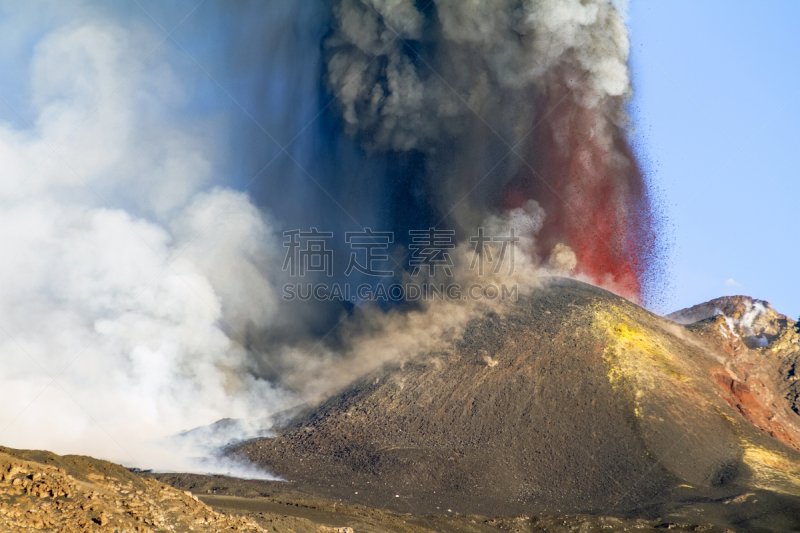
[122, 271]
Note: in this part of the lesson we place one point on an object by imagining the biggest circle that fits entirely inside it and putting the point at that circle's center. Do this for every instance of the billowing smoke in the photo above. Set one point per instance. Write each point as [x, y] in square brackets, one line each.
[124, 270]
[146, 185]
[373, 338]
[509, 100]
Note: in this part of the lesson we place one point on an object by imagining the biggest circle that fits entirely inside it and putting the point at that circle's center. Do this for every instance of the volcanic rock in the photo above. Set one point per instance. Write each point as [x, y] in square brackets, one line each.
[41, 491]
[755, 321]
[590, 404]
[44, 491]
[759, 375]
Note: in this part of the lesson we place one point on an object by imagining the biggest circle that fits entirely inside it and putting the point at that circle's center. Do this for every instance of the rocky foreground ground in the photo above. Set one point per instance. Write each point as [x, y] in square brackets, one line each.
[41, 491]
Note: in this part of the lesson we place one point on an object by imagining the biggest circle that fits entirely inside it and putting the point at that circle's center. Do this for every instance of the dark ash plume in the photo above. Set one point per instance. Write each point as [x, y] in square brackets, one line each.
[467, 82]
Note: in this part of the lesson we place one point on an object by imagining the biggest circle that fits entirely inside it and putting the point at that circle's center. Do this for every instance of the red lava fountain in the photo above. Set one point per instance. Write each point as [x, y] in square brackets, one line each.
[586, 178]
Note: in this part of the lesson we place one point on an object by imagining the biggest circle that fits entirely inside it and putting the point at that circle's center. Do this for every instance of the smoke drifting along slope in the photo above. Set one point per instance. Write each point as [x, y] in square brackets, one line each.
[123, 269]
[509, 101]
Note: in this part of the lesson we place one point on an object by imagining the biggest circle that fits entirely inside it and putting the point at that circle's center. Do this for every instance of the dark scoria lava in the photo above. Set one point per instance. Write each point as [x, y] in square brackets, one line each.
[569, 400]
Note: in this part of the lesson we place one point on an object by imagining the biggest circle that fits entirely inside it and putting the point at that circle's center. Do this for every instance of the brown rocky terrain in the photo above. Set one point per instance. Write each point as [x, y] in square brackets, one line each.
[570, 400]
[41, 491]
[760, 373]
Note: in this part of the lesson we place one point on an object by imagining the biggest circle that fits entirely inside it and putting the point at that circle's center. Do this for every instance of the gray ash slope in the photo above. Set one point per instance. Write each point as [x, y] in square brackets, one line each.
[571, 399]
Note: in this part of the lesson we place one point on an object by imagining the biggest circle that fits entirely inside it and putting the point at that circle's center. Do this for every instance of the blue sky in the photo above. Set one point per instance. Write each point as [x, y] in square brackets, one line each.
[717, 108]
